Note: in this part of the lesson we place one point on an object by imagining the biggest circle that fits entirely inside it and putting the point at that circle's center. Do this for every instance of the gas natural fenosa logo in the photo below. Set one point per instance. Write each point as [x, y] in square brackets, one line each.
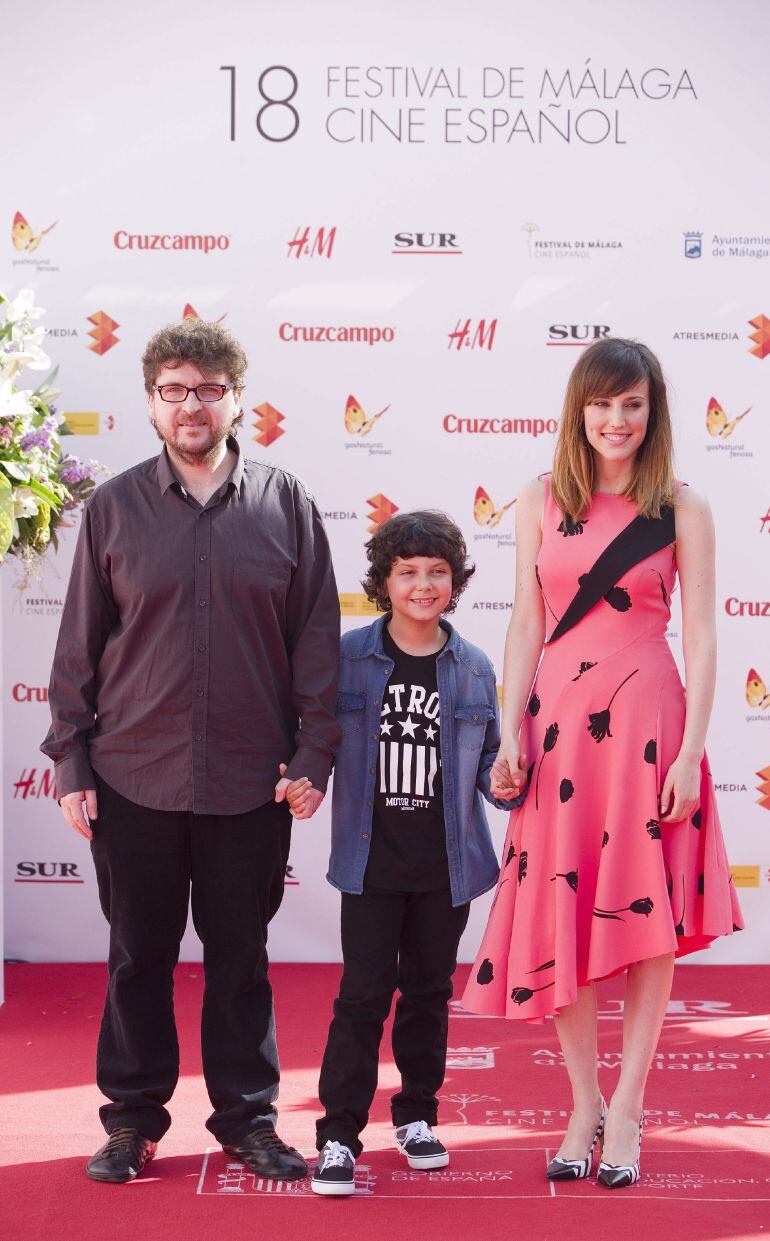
[23, 235]
[485, 511]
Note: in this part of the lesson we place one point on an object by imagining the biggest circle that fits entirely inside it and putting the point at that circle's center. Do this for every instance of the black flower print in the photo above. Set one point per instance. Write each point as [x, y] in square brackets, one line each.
[533, 706]
[618, 598]
[679, 928]
[511, 855]
[663, 590]
[530, 769]
[585, 666]
[522, 864]
[568, 527]
[653, 827]
[697, 819]
[669, 879]
[571, 876]
[549, 741]
[700, 884]
[644, 905]
[651, 751]
[485, 973]
[599, 721]
[542, 592]
[539, 969]
[605, 840]
[566, 789]
[520, 995]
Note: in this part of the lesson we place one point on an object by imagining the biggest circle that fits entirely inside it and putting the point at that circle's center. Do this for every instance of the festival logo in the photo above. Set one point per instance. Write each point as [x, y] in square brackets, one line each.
[34, 784]
[267, 424]
[470, 334]
[487, 513]
[359, 424]
[227, 1177]
[47, 872]
[693, 245]
[306, 244]
[334, 334]
[426, 243]
[760, 336]
[757, 697]
[382, 508]
[471, 1057]
[576, 335]
[763, 788]
[190, 312]
[102, 333]
[574, 248]
[721, 427]
[29, 693]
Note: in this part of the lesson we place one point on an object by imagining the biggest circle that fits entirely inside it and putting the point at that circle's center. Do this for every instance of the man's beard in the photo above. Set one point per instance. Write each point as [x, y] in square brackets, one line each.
[197, 454]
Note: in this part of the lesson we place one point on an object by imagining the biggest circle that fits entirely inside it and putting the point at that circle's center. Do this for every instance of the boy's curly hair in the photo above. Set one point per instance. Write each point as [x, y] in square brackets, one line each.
[426, 532]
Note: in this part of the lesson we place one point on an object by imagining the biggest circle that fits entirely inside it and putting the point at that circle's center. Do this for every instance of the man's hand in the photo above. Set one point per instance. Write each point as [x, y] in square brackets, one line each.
[303, 799]
[72, 809]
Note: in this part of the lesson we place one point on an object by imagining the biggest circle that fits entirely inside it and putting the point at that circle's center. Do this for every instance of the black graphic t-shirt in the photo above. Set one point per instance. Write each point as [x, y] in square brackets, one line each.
[408, 848]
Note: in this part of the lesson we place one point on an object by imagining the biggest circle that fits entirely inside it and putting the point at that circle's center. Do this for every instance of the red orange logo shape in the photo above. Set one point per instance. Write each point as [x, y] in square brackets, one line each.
[268, 424]
[190, 312]
[102, 332]
[23, 236]
[761, 336]
[484, 509]
[382, 508]
[764, 788]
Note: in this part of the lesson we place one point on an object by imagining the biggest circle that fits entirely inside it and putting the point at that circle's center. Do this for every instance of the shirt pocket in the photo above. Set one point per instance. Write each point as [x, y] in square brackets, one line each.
[350, 710]
[471, 721]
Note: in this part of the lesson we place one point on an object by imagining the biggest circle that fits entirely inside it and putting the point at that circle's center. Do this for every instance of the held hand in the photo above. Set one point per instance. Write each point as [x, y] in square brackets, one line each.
[303, 799]
[509, 771]
[72, 809]
[681, 790]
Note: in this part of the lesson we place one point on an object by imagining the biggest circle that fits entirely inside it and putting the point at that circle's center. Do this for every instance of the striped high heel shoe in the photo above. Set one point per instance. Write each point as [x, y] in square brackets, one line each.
[617, 1175]
[577, 1169]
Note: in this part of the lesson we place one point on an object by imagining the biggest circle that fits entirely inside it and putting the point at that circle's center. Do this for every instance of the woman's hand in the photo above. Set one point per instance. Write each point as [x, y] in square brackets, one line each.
[508, 775]
[681, 790]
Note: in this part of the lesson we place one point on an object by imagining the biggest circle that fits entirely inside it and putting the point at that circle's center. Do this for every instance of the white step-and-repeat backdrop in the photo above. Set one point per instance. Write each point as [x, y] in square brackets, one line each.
[425, 211]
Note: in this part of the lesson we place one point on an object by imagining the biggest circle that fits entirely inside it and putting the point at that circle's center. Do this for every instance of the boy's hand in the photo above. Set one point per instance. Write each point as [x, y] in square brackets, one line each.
[508, 775]
[303, 799]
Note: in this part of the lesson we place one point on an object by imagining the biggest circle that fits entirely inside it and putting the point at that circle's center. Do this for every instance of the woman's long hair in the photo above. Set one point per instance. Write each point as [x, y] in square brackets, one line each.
[607, 368]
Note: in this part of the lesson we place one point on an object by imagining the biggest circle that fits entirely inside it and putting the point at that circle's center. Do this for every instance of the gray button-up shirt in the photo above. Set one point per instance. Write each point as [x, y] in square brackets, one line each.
[199, 644]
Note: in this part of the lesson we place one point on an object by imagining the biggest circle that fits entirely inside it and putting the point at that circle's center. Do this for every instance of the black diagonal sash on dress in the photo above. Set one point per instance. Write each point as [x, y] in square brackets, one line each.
[641, 538]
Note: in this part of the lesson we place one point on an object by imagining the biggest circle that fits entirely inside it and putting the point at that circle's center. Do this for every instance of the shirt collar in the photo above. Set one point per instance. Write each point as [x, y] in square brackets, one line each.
[373, 644]
[167, 477]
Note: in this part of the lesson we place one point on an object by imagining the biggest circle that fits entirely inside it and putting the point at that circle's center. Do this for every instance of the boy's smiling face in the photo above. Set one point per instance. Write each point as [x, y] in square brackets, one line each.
[419, 588]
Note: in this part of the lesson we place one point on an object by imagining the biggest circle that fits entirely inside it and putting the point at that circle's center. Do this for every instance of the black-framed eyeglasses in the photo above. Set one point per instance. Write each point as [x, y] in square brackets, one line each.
[177, 393]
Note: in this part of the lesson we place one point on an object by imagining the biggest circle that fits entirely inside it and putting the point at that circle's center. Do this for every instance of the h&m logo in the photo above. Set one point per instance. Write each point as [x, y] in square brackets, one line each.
[465, 335]
[320, 246]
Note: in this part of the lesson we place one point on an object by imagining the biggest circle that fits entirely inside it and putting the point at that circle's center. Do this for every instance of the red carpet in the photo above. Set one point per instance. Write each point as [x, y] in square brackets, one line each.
[705, 1165]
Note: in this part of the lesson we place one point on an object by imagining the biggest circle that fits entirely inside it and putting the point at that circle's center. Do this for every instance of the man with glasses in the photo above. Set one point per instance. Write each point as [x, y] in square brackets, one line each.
[193, 691]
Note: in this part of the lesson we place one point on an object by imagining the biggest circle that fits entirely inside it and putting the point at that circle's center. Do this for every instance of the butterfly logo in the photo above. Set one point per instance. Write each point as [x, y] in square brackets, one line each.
[756, 691]
[356, 421]
[484, 509]
[717, 422]
[23, 236]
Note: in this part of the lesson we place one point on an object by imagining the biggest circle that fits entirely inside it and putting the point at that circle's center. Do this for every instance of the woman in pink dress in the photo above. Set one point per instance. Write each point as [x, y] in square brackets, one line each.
[615, 861]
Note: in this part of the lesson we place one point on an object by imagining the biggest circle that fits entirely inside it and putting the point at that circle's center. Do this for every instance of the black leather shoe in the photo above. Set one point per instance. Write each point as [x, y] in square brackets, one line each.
[264, 1152]
[122, 1157]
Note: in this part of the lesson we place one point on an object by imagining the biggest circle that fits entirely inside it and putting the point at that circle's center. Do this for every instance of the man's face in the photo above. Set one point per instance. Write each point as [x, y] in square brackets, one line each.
[193, 429]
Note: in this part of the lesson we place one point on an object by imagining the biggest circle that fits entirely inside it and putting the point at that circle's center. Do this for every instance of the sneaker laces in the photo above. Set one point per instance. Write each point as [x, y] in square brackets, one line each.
[418, 1131]
[267, 1138]
[335, 1155]
[125, 1138]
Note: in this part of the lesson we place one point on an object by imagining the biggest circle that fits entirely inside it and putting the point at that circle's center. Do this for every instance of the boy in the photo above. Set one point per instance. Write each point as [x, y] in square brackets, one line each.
[417, 706]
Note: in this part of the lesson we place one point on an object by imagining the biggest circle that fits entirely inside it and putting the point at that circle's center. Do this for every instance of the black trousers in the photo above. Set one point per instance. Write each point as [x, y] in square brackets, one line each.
[147, 863]
[404, 940]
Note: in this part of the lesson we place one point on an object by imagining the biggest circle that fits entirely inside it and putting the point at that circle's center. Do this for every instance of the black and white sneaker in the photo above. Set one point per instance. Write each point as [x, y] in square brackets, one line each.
[335, 1171]
[421, 1147]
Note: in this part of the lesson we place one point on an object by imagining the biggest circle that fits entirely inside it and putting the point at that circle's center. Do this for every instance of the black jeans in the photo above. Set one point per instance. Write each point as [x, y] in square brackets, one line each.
[404, 940]
[147, 862]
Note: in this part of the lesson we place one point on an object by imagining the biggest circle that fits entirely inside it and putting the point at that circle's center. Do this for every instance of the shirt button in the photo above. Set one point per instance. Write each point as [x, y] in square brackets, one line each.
[376, 702]
[200, 693]
[372, 771]
[201, 603]
[365, 836]
[475, 717]
[375, 737]
[368, 803]
[203, 557]
[198, 737]
[201, 646]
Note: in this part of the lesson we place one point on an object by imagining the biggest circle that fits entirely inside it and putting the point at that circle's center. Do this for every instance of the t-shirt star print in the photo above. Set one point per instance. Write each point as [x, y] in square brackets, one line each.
[408, 848]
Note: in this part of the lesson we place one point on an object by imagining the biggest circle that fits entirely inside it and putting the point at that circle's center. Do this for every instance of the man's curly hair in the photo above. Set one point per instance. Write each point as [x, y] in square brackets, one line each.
[426, 532]
[209, 346]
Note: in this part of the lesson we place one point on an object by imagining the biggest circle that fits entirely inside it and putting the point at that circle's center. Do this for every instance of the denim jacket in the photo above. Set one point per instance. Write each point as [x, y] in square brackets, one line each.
[470, 738]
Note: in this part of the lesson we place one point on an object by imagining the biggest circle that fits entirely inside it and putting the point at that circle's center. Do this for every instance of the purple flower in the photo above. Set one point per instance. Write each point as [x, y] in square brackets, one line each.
[39, 438]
